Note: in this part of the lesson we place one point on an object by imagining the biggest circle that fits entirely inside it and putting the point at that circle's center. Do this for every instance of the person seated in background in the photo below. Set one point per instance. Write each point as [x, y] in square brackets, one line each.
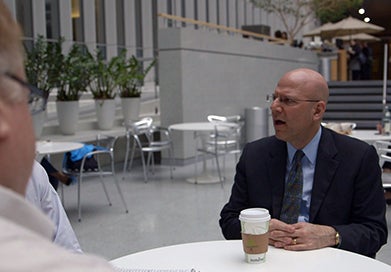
[26, 233]
[56, 176]
[322, 188]
[40, 193]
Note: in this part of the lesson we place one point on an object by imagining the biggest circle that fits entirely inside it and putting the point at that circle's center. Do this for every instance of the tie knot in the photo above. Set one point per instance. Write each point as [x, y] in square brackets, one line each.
[298, 156]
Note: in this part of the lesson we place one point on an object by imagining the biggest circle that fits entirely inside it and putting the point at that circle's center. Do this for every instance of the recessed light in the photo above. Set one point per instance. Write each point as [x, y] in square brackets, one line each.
[361, 11]
[367, 19]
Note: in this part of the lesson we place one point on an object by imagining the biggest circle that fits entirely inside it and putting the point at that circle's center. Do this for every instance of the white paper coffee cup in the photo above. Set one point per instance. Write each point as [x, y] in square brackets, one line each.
[255, 225]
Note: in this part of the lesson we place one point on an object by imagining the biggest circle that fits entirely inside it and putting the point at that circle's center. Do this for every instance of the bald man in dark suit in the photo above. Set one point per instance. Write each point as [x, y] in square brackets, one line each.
[342, 201]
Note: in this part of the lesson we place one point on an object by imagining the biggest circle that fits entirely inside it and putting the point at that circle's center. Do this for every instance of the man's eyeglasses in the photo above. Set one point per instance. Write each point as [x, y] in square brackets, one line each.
[287, 101]
[37, 99]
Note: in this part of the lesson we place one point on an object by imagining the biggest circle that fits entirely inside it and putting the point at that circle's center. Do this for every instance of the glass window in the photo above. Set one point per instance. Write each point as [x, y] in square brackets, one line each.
[24, 17]
[120, 25]
[77, 21]
[100, 26]
[52, 19]
[139, 29]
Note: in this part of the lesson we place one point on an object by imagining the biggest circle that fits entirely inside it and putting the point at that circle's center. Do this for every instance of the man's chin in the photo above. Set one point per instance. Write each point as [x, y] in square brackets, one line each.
[279, 135]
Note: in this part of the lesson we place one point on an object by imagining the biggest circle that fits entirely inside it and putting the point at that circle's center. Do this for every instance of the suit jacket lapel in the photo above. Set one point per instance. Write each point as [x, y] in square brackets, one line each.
[325, 168]
[277, 165]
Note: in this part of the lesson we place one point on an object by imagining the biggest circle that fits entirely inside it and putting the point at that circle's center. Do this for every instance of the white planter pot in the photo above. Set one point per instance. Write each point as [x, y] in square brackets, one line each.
[130, 108]
[39, 120]
[105, 113]
[68, 116]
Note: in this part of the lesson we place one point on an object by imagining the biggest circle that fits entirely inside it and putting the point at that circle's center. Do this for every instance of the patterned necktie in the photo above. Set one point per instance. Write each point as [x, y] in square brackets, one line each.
[293, 191]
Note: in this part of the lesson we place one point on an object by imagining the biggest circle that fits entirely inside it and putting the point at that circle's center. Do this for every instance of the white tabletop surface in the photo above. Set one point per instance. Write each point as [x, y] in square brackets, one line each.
[193, 126]
[369, 136]
[54, 147]
[227, 256]
[198, 126]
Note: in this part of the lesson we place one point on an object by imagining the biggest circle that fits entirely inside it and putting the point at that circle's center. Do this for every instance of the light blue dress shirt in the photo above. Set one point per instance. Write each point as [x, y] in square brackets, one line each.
[308, 165]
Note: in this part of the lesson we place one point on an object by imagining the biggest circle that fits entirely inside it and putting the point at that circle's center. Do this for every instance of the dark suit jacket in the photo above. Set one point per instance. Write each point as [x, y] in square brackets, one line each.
[347, 192]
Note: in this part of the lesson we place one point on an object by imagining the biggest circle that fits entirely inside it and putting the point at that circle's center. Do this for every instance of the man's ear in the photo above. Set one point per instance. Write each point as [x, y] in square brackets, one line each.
[319, 110]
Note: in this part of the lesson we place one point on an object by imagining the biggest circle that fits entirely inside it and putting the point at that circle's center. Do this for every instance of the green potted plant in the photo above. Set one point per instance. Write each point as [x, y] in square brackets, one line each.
[130, 76]
[72, 81]
[103, 88]
[41, 70]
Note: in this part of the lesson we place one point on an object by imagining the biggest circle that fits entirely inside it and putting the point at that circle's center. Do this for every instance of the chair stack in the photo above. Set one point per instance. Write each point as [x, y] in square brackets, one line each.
[384, 150]
[148, 139]
[224, 140]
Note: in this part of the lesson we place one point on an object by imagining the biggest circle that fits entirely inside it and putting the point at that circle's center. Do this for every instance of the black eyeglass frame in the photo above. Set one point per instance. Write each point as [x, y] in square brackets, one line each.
[288, 101]
[34, 95]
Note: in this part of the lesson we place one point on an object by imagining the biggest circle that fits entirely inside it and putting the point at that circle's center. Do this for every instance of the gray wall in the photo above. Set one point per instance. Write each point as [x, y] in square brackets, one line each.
[203, 72]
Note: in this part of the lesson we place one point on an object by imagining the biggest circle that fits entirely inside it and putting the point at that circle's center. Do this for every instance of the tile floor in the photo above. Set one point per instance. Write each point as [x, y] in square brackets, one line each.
[161, 212]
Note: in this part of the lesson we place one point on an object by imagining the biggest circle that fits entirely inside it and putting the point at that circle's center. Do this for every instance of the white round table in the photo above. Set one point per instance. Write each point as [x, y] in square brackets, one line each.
[227, 256]
[193, 127]
[49, 147]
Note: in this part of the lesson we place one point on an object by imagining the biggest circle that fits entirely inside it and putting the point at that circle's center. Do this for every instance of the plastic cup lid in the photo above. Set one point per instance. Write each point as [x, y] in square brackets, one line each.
[254, 215]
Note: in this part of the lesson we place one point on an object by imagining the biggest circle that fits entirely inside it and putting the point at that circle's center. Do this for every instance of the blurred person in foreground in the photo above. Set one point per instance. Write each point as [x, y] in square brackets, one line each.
[26, 233]
[341, 203]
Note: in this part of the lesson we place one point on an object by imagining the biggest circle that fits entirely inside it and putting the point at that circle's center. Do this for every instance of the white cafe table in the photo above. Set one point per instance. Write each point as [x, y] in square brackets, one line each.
[227, 256]
[193, 127]
[54, 147]
[196, 128]
[369, 136]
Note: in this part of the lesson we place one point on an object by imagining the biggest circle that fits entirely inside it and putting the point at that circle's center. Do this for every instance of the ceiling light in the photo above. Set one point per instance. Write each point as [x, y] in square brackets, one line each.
[366, 19]
[361, 11]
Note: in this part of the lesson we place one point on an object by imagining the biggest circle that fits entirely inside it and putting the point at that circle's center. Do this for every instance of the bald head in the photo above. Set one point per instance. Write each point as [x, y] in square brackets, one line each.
[298, 112]
[309, 82]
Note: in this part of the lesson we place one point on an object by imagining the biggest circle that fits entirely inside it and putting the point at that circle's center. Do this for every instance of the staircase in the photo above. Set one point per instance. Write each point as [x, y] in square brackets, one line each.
[357, 101]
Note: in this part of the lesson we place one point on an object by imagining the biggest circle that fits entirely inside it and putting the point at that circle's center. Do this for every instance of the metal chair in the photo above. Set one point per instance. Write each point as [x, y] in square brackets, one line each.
[106, 144]
[149, 139]
[384, 150]
[224, 140]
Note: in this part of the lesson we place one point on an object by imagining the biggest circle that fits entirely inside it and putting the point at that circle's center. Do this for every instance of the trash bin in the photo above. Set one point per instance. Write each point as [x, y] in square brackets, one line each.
[257, 125]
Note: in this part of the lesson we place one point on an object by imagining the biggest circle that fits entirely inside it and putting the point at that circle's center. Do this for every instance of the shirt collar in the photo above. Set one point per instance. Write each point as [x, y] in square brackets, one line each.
[310, 150]
[15, 208]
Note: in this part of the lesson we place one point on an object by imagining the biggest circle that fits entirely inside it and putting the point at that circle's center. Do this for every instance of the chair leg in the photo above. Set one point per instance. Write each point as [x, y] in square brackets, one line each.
[151, 161]
[78, 196]
[126, 155]
[196, 167]
[102, 182]
[170, 155]
[117, 184]
[218, 169]
[144, 167]
[132, 156]
[127, 166]
[105, 189]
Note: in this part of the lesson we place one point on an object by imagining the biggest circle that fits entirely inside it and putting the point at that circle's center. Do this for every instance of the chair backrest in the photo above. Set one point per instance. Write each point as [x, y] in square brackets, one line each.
[226, 125]
[384, 150]
[141, 127]
[227, 133]
[218, 118]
